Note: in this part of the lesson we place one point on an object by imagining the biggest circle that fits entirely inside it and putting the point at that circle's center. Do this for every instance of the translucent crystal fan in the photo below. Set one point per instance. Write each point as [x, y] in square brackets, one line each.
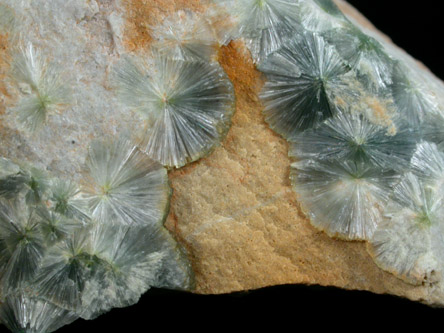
[428, 163]
[78, 252]
[432, 128]
[31, 181]
[414, 102]
[364, 54]
[352, 137]
[300, 79]
[7, 168]
[185, 36]
[31, 314]
[188, 106]
[66, 200]
[106, 266]
[128, 261]
[123, 185]
[64, 271]
[55, 227]
[21, 244]
[410, 241]
[45, 90]
[321, 15]
[264, 24]
[345, 199]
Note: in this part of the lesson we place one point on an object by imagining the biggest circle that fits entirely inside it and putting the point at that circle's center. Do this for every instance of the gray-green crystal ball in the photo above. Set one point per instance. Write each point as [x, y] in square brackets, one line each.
[69, 251]
[187, 104]
[300, 79]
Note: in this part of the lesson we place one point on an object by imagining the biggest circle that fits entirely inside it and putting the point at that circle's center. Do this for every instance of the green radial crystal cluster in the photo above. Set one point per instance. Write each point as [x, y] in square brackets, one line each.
[263, 24]
[183, 98]
[187, 105]
[365, 127]
[44, 87]
[71, 250]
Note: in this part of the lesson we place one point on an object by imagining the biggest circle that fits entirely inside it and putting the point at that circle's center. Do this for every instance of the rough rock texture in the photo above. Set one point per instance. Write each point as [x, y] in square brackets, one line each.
[234, 210]
[236, 213]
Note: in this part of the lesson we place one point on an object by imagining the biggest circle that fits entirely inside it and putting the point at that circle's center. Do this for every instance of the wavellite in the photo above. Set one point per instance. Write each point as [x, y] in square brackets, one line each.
[84, 193]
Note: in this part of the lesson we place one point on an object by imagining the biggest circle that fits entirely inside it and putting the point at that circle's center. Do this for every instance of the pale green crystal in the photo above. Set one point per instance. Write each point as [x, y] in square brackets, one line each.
[123, 185]
[7, 168]
[265, 25]
[84, 252]
[409, 241]
[188, 106]
[46, 90]
[187, 36]
[300, 77]
[21, 244]
[346, 199]
[352, 137]
[23, 313]
[365, 125]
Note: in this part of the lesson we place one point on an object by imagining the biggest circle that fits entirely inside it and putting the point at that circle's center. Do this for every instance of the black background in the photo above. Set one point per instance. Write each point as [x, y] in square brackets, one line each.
[417, 29]
[415, 26]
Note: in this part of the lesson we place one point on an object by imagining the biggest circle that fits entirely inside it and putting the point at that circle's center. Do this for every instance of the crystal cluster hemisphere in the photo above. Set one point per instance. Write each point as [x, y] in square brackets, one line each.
[358, 115]
[364, 122]
[71, 251]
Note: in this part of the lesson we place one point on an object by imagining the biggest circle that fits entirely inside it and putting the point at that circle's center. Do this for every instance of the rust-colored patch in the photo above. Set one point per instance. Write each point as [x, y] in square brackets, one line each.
[235, 211]
[4, 44]
[381, 113]
[3, 69]
[143, 15]
[5, 96]
[379, 110]
[239, 219]
[243, 74]
[242, 165]
[247, 82]
[3, 64]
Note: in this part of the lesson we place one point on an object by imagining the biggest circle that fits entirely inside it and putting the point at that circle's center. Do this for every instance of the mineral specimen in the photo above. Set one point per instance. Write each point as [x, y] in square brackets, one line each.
[122, 184]
[67, 252]
[83, 189]
[345, 198]
[31, 314]
[42, 84]
[186, 36]
[188, 105]
[263, 24]
[410, 240]
[356, 169]
[301, 76]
